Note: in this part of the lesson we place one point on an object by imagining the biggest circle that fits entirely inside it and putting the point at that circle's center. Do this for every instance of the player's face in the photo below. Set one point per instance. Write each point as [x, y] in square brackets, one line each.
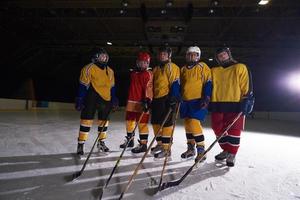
[103, 58]
[143, 64]
[191, 57]
[163, 56]
[223, 56]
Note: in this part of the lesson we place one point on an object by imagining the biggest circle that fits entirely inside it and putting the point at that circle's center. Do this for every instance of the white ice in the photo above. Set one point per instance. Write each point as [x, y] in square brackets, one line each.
[37, 160]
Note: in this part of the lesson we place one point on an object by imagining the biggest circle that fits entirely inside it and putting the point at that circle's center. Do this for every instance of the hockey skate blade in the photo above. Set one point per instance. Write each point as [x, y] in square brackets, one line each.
[187, 159]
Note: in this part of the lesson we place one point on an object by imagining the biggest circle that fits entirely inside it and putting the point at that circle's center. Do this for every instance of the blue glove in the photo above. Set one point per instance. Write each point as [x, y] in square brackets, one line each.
[146, 103]
[114, 99]
[79, 103]
[114, 103]
[247, 105]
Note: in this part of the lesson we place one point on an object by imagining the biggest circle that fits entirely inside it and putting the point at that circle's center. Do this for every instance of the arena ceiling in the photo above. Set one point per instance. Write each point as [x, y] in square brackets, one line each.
[56, 36]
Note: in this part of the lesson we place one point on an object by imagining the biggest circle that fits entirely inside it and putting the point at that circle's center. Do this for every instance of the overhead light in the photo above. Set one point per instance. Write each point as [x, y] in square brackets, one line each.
[176, 29]
[163, 11]
[122, 11]
[263, 2]
[210, 59]
[180, 28]
[124, 3]
[169, 3]
[215, 2]
[211, 11]
[109, 43]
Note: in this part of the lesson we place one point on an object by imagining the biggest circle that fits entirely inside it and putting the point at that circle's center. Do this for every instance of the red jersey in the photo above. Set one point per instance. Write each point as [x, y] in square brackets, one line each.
[141, 87]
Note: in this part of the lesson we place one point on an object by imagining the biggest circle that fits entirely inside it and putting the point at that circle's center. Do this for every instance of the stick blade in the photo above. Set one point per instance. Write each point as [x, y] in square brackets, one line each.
[169, 184]
[76, 175]
[101, 193]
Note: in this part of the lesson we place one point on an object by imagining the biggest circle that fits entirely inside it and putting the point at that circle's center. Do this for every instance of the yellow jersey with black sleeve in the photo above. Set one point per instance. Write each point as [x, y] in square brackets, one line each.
[102, 80]
[193, 79]
[163, 78]
[230, 85]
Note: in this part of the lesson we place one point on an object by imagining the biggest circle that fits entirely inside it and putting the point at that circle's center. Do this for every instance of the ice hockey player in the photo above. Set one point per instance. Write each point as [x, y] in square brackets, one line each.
[96, 93]
[166, 87]
[196, 88]
[140, 95]
[232, 93]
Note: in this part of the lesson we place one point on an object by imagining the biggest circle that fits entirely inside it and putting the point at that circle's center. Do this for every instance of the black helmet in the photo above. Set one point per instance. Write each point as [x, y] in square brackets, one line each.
[228, 62]
[97, 52]
[166, 49]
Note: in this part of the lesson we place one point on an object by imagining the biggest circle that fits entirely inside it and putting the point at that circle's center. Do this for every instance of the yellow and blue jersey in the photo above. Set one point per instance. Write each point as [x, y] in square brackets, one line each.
[102, 80]
[196, 87]
[230, 86]
[193, 81]
[164, 78]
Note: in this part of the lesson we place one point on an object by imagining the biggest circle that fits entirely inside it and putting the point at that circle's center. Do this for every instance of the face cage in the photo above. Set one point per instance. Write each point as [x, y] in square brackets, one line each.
[192, 61]
[106, 60]
[230, 59]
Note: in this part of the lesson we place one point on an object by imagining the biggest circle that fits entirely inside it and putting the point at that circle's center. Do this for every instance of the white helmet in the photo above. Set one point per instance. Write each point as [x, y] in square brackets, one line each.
[193, 49]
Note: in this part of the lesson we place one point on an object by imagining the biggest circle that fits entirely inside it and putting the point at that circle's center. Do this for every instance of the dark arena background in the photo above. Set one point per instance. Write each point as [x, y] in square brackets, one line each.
[44, 44]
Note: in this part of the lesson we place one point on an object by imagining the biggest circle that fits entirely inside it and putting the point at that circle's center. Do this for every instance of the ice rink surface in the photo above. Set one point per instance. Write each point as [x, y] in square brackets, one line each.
[37, 159]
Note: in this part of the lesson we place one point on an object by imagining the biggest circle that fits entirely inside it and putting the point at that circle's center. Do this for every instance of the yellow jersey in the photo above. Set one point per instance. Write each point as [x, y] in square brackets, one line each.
[230, 84]
[193, 79]
[102, 80]
[163, 78]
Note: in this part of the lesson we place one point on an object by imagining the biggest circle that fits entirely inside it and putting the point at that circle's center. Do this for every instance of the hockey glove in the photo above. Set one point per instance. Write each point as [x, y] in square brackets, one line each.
[204, 102]
[114, 99]
[172, 101]
[79, 103]
[247, 105]
[146, 103]
[114, 104]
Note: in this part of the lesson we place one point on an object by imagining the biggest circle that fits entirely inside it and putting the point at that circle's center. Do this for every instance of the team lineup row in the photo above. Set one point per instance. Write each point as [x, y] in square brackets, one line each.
[165, 92]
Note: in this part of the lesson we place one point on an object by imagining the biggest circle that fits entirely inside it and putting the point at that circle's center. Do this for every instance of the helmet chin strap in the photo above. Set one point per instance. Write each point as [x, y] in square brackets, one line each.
[102, 65]
[227, 63]
[162, 63]
[191, 64]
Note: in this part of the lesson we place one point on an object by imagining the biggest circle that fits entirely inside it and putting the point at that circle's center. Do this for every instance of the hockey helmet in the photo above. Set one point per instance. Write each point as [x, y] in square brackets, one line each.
[193, 49]
[166, 49]
[144, 56]
[143, 61]
[96, 55]
[227, 62]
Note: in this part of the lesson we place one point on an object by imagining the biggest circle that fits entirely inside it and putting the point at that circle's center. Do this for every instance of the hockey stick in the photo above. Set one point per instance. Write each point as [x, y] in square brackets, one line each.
[145, 154]
[79, 173]
[178, 181]
[169, 147]
[121, 155]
